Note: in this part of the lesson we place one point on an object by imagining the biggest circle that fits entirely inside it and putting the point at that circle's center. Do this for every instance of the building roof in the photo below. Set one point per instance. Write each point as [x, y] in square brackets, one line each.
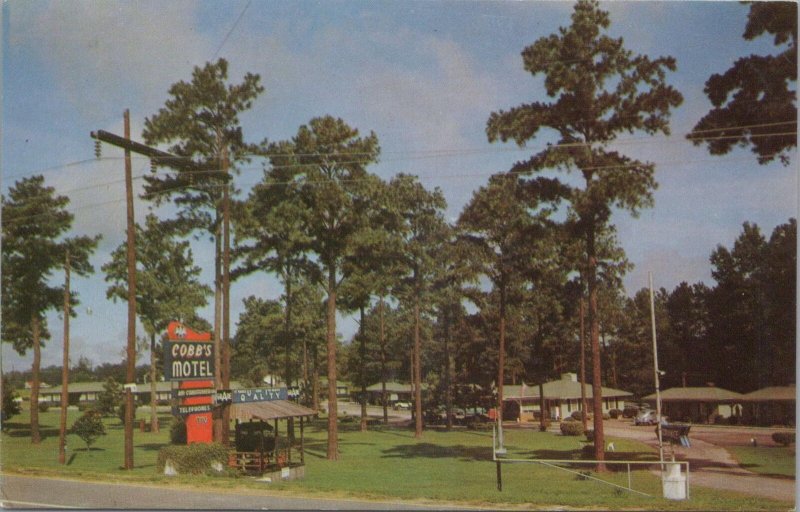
[697, 394]
[391, 387]
[772, 394]
[566, 388]
[272, 410]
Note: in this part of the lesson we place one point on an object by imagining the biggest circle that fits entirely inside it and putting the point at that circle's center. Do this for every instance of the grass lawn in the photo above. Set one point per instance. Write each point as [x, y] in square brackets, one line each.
[766, 460]
[384, 463]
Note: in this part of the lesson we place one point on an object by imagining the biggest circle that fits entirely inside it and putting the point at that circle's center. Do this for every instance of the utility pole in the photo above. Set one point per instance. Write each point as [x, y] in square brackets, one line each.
[157, 157]
[62, 428]
[130, 376]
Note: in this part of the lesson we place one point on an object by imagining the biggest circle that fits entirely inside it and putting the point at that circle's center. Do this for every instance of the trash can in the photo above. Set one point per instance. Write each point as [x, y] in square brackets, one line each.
[674, 482]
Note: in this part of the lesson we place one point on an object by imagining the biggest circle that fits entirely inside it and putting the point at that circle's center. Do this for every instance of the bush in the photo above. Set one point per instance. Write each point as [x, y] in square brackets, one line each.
[177, 431]
[88, 427]
[783, 438]
[590, 435]
[196, 458]
[606, 416]
[587, 452]
[577, 415]
[615, 413]
[43, 406]
[571, 428]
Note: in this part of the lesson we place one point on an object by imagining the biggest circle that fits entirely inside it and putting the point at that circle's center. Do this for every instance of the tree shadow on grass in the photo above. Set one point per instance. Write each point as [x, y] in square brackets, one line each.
[151, 447]
[435, 451]
[25, 431]
[579, 455]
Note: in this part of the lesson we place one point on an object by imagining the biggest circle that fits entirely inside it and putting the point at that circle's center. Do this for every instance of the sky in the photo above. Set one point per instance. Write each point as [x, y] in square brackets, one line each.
[423, 75]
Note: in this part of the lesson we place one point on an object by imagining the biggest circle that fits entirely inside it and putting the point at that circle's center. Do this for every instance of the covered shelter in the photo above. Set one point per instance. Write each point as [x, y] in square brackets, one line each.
[706, 404]
[774, 405]
[562, 397]
[259, 444]
[395, 392]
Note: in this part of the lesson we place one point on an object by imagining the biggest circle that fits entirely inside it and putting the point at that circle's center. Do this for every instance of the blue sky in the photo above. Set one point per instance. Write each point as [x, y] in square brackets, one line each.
[424, 76]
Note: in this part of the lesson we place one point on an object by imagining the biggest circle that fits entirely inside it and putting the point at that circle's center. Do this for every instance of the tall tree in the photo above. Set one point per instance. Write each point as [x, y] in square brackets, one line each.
[201, 122]
[600, 90]
[500, 226]
[422, 230]
[35, 221]
[326, 164]
[755, 101]
[167, 287]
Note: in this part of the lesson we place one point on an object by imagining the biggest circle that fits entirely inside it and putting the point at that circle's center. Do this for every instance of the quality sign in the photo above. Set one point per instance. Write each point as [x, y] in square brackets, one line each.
[189, 360]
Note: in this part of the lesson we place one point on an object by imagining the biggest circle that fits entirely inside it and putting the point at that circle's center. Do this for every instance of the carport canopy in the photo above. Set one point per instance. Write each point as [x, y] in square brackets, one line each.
[268, 411]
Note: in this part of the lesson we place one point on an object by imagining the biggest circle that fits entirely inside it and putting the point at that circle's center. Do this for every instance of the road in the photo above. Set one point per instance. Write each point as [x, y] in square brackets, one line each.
[23, 492]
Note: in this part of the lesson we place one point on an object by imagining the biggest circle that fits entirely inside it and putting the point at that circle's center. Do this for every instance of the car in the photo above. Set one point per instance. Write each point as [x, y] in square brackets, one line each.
[648, 417]
[402, 406]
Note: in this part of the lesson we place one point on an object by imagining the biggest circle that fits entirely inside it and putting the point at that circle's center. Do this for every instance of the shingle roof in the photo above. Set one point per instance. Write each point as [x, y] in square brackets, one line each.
[273, 410]
[697, 394]
[559, 389]
[772, 394]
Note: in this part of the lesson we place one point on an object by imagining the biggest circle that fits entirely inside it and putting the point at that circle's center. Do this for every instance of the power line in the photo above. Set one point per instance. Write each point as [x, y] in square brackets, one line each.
[235, 24]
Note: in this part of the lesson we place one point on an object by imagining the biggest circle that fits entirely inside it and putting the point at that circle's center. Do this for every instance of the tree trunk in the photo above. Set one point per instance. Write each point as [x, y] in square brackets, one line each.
[36, 437]
[383, 366]
[287, 362]
[597, 392]
[217, 429]
[448, 395]
[153, 387]
[417, 369]
[362, 376]
[62, 426]
[584, 408]
[226, 298]
[333, 434]
[315, 378]
[501, 360]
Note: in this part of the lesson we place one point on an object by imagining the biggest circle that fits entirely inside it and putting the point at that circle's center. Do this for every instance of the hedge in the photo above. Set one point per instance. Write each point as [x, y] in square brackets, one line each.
[196, 458]
[783, 438]
[571, 428]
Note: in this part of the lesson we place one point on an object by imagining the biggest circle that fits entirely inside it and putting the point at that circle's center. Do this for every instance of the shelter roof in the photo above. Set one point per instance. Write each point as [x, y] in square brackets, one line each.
[697, 394]
[272, 410]
[772, 394]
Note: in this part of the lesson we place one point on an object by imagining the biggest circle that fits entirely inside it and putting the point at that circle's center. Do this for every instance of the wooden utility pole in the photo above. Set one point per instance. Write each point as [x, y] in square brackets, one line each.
[584, 411]
[62, 427]
[130, 377]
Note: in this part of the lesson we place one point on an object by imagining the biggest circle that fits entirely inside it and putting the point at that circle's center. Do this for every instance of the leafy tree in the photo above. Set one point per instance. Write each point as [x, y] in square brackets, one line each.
[755, 101]
[600, 90]
[89, 427]
[109, 398]
[326, 162]
[35, 221]
[167, 287]
[201, 122]
[423, 230]
[10, 406]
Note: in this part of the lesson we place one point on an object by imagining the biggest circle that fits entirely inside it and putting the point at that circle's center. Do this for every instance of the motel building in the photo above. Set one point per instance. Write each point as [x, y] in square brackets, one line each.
[561, 398]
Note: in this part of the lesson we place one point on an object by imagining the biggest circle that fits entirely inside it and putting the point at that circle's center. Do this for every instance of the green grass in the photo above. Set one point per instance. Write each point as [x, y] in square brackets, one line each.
[776, 461]
[384, 463]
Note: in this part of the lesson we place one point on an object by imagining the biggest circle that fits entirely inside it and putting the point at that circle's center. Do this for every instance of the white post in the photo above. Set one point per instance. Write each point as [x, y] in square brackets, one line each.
[657, 374]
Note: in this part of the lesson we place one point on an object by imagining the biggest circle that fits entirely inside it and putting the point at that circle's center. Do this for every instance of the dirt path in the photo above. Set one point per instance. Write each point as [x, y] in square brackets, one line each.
[712, 465]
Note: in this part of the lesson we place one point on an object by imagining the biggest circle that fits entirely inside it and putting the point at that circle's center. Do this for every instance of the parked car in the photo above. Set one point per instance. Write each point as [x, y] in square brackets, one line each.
[648, 418]
[402, 406]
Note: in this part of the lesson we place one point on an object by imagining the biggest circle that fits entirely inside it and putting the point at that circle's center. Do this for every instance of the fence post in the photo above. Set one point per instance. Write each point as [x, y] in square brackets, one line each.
[499, 477]
[629, 476]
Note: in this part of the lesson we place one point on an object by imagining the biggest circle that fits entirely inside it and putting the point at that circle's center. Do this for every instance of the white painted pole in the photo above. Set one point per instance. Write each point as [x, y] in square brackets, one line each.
[657, 374]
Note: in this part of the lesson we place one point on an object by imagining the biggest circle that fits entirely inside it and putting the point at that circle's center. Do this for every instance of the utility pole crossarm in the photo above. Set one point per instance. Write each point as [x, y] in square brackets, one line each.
[156, 155]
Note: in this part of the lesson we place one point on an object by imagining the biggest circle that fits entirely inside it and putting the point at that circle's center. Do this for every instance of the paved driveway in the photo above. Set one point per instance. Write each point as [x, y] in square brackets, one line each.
[711, 465]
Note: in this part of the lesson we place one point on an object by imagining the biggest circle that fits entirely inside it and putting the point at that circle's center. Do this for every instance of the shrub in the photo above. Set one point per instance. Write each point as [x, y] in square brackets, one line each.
[177, 431]
[88, 427]
[571, 428]
[615, 413]
[196, 458]
[109, 398]
[43, 406]
[783, 438]
[577, 415]
[590, 435]
[606, 416]
[10, 406]
[587, 452]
